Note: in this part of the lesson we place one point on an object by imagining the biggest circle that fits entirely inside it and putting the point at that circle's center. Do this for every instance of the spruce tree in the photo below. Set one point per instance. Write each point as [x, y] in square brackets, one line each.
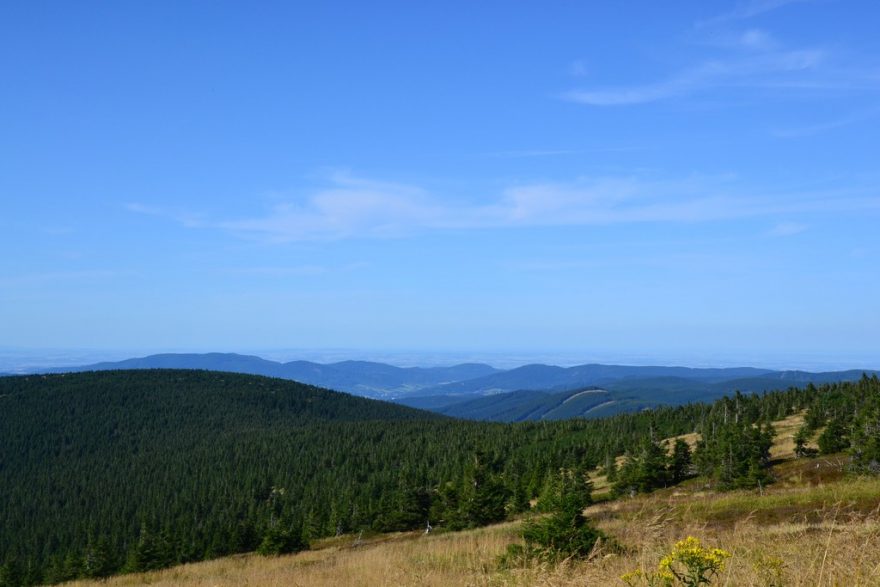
[566, 532]
[485, 496]
[98, 561]
[282, 538]
[680, 463]
[835, 437]
[801, 438]
[11, 574]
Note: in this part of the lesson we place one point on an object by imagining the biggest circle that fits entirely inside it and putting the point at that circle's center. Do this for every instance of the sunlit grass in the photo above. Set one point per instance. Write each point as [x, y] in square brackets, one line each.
[813, 527]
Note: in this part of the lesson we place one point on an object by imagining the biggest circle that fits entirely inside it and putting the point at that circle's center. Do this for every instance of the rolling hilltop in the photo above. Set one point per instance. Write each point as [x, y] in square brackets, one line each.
[364, 378]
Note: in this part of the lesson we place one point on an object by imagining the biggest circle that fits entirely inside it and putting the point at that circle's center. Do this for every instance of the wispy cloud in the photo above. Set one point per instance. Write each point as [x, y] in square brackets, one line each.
[292, 270]
[818, 128]
[529, 153]
[732, 56]
[578, 68]
[352, 207]
[57, 230]
[615, 200]
[54, 277]
[748, 40]
[748, 9]
[787, 229]
[757, 40]
[539, 153]
[181, 217]
[139, 208]
[363, 208]
[777, 68]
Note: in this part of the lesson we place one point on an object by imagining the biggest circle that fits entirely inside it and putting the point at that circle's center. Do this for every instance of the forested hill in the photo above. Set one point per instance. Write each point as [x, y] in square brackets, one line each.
[191, 455]
[178, 397]
[146, 468]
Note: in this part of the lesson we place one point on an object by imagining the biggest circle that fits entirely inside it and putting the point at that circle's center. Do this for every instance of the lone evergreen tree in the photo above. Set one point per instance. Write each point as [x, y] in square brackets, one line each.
[610, 467]
[98, 561]
[485, 496]
[801, 450]
[835, 437]
[680, 463]
[644, 470]
[566, 532]
[282, 538]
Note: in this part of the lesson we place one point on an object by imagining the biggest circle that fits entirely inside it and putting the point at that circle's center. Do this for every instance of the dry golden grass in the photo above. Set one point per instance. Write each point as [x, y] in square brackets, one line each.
[812, 527]
[462, 558]
[837, 546]
[783, 444]
[823, 534]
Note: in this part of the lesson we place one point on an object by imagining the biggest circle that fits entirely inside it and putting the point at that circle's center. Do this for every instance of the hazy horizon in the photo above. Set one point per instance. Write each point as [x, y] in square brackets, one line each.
[22, 360]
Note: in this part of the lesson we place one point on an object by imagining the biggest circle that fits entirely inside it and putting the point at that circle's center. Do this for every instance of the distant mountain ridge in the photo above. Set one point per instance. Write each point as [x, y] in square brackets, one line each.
[364, 378]
[626, 394]
[480, 391]
[538, 376]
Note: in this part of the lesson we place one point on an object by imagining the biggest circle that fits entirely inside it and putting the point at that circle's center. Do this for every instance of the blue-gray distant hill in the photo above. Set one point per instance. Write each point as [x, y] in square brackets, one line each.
[625, 394]
[368, 379]
[479, 391]
[551, 377]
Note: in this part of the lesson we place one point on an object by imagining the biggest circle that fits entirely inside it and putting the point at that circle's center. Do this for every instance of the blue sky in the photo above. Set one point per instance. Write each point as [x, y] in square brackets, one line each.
[679, 180]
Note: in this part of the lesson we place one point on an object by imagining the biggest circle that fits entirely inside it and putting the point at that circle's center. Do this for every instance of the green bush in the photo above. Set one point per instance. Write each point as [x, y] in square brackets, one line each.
[835, 437]
[566, 532]
[282, 540]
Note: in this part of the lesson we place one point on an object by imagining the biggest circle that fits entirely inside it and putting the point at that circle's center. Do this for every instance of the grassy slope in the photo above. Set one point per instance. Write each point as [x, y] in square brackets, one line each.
[823, 526]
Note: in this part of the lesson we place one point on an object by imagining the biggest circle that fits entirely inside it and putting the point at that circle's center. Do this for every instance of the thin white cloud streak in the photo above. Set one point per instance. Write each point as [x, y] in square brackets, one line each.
[358, 208]
[139, 208]
[781, 68]
[351, 207]
[297, 271]
[579, 68]
[537, 153]
[616, 259]
[747, 10]
[756, 40]
[530, 153]
[52, 277]
[753, 39]
[292, 271]
[784, 229]
[186, 219]
[361, 208]
[814, 129]
[753, 60]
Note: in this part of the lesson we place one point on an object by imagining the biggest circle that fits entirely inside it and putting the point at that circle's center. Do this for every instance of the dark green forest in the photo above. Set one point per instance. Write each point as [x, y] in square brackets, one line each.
[115, 471]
